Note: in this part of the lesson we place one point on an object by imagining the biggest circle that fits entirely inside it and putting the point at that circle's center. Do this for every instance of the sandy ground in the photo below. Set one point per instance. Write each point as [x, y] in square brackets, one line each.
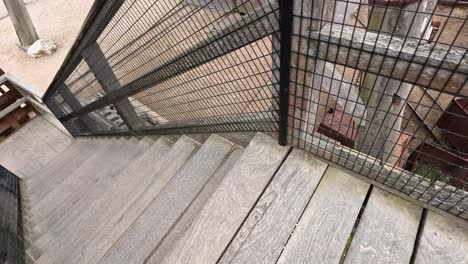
[58, 20]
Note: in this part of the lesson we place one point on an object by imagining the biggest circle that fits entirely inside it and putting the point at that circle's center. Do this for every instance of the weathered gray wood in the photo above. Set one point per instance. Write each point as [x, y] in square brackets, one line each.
[86, 190]
[429, 65]
[165, 210]
[387, 230]
[163, 248]
[76, 187]
[85, 122]
[97, 245]
[442, 241]
[324, 229]
[115, 196]
[21, 21]
[379, 136]
[218, 221]
[97, 62]
[306, 73]
[59, 194]
[271, 222]
[432, 195]
[33, 146]
[58, 169]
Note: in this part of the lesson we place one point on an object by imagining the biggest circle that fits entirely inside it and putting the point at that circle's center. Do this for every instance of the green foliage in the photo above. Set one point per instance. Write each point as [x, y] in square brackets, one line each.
[431, 171]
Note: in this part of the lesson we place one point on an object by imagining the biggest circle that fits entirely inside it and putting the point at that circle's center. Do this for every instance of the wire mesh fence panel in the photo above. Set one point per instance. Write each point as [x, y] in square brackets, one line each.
[177, 63]
[11, 228]
[376, 86]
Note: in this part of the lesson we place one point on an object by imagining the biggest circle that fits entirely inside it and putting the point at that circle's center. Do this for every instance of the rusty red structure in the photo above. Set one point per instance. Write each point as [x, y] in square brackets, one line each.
[339, 126]
[454, 124]
[14, 119]
[453, 160]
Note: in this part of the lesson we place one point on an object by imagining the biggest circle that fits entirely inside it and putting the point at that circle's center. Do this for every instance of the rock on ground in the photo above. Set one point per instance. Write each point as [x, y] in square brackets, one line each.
[42, 47]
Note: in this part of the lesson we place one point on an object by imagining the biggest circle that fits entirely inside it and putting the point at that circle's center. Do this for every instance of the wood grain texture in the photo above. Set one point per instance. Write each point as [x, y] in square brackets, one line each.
[80, 193]
[29, 149]
[431, 66]
[442, 241]
[323, 230]
[54, 174]
[269, 225]
[164, 211]
[186, 220]
[164, 170]
[218, 221]
[120, 192]
[387, 230]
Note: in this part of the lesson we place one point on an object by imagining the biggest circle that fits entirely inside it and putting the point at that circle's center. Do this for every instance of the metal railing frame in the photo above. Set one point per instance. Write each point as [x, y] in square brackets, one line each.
[440, 68]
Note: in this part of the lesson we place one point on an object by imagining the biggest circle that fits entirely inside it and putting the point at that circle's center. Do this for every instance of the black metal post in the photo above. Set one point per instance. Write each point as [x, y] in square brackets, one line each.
[286, 21]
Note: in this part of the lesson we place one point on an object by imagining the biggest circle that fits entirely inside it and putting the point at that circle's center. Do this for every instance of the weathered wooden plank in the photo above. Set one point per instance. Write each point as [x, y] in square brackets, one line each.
[437, 195]
[162, 249]
[429, 65]
[21, 21]
[387, 230]
[269, 225]
[223, 214]
[128, 185]
[323, 230]
[442, 241]
[117, 225]
[156, 221]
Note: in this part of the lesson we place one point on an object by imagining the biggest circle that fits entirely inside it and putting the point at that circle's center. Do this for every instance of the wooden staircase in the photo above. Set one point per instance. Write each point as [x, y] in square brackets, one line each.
[181, 199]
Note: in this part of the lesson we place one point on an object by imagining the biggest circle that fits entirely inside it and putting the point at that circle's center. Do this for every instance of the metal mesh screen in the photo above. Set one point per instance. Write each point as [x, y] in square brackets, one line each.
[376, 86]
[11, 228]
[179, 64]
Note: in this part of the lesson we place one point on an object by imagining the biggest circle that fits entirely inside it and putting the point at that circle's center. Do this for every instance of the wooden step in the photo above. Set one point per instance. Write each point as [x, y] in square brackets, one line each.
[392, 237]
[62, 167]
[56, 203]
[323, 230]
[85, 190]
[46, 200]
[442, 241]
[90, 246]
[30, 148]
[163, 212]
[164, 170]
[216, 224]
[107, 198]
[271, 222]
[177, 231]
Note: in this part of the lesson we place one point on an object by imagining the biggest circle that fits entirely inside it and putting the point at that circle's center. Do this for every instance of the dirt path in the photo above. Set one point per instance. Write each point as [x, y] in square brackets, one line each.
[58, 20]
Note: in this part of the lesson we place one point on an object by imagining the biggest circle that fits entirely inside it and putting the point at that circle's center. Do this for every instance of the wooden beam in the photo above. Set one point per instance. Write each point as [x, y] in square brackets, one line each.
[12, 107]
[97, 62]
[430, 65]
[21, 21]
[85, 122]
